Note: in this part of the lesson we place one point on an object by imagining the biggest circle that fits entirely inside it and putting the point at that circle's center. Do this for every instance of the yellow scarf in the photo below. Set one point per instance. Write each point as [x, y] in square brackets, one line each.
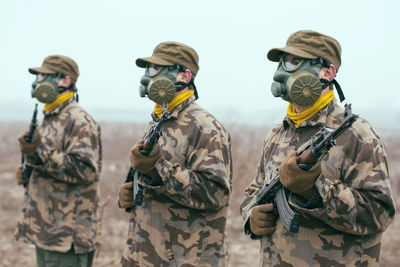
[62, 98]
[298, 118]
[175, 102]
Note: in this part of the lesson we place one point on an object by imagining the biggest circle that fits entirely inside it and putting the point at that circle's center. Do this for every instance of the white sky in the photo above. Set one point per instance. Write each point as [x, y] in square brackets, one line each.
[231, 37]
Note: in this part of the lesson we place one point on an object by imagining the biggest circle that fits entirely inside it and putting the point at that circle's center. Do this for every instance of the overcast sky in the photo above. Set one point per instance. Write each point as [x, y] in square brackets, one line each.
[231, 37]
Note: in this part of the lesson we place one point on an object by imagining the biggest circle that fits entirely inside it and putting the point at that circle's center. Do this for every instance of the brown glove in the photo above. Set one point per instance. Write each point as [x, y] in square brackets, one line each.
[18, 174]
[297, 180]
[29, 148]
[263, 219]
[126, 195]
[143, 163]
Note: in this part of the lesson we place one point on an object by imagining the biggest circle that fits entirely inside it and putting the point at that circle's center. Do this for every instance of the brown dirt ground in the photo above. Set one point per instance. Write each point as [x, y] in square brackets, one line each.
[247, 145]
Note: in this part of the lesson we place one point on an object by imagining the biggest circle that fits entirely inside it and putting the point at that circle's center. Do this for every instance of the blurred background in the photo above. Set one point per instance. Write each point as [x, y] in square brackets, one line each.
[232, 39]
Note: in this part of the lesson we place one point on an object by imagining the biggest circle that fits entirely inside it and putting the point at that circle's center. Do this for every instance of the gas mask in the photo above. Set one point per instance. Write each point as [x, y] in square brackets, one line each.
[45, 87]
[158, 83]
[296, 80]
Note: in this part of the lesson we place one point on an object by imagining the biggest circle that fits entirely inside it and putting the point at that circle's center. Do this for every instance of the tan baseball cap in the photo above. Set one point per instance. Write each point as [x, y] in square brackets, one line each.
[171, 53]
[58, 64]
[309, 44]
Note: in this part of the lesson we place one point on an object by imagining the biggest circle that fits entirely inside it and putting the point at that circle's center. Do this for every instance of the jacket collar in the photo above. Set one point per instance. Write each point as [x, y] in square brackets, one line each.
[60, 107]
[175, 112]
[322, 117]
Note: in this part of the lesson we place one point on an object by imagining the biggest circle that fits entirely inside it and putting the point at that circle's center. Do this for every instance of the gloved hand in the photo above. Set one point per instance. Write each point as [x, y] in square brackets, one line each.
[297, 180]
[18, 174]
[263, 219]
[125, 195]
[29, 148]
[143, 163]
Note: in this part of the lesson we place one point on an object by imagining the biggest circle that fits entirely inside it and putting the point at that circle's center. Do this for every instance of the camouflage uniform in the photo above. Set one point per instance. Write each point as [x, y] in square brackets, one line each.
[356, 203]
[182, 221]
[62, 195]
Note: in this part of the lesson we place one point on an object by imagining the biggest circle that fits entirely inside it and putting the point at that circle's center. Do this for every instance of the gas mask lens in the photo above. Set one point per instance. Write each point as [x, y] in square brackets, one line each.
[40, 77]
[153, 69]
[291, 63]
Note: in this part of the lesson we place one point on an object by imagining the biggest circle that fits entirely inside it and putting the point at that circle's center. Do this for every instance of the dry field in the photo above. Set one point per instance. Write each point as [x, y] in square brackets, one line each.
[117, 140]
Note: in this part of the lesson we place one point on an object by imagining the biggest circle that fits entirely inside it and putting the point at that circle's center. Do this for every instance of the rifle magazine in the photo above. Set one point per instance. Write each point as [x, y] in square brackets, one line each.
[137, 190]
[289, 217]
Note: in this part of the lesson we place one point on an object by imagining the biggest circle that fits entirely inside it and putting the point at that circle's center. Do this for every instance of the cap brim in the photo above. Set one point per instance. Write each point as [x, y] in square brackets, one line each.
[41, 70]
[142, 62]
[275, 53]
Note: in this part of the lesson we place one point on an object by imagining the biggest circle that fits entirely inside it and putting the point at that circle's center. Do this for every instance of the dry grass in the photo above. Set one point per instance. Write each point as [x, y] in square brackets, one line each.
[117, 140]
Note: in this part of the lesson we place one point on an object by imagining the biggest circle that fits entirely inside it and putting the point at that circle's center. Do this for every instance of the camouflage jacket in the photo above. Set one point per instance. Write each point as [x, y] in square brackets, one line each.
[62, 195]
[356, 202]
[182, 221]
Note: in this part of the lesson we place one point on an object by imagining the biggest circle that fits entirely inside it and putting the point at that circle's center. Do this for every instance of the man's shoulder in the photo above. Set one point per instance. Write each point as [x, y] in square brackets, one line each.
[361, 128]
[201, 118]
[364, 129]
[76, 113]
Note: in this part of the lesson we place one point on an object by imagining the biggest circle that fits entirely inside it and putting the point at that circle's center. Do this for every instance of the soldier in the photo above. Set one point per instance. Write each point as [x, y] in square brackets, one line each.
[345, 201]
[186, 193]
[62, 216]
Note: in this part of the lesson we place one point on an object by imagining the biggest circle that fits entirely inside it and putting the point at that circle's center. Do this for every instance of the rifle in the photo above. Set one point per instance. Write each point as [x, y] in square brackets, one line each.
[27, 170]
[150, 139]
[309, 154]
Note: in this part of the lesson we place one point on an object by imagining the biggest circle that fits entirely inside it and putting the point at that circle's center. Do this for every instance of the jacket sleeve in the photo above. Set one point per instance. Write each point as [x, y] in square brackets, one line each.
[77, 159]
[250, 194]
[356, 196]
[202, 180]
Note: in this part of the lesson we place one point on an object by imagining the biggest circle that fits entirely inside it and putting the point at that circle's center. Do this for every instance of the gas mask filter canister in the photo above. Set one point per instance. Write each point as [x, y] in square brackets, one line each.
[296, 80]
[158, 83]
[45, 88]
